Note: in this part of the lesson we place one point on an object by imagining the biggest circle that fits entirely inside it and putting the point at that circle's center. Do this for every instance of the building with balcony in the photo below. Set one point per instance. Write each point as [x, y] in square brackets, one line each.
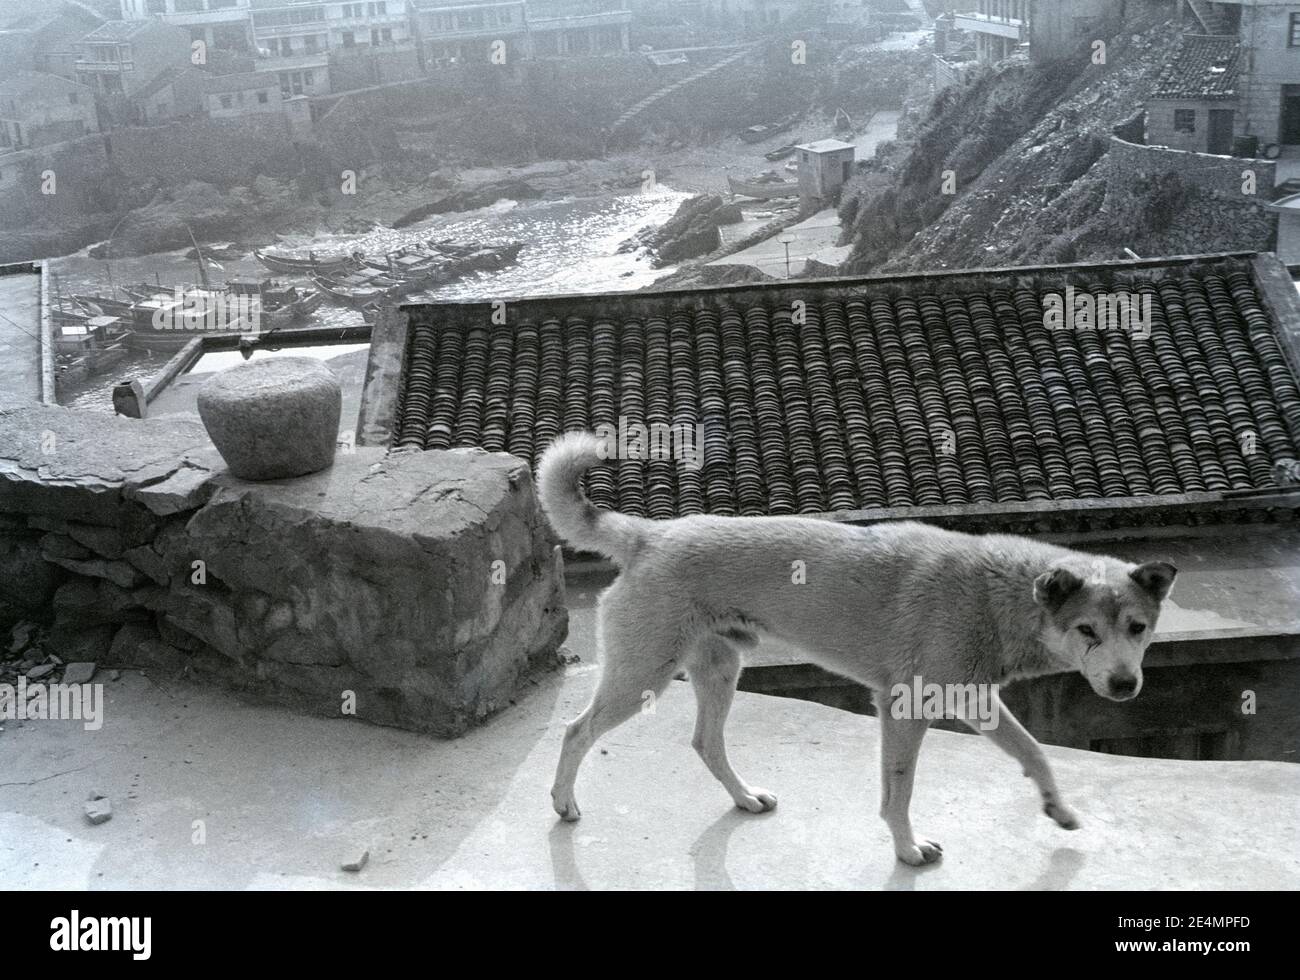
[291, 28]
[121, 57]
[453, 31]
[998, 26]
[1051, 29]
[38, 109]
[563, 27]
[225, 24]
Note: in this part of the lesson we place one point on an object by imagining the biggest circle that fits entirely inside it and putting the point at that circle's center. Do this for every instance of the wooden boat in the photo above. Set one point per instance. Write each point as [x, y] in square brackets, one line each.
[763, 190]
[313, 265]
[756, 134]
[780, 153]
[413, 271]
[269, 303]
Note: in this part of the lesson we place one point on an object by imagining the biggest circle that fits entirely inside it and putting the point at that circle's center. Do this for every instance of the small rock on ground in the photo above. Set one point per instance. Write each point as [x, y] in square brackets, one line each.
[98, 809]
[78, 673]
[359, 863]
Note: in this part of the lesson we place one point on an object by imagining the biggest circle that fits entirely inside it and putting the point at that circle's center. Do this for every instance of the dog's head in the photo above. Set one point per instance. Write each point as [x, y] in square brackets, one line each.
[1101, 614]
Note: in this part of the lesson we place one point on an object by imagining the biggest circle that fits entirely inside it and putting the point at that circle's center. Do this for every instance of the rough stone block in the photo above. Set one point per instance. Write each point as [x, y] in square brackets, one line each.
[275, 418]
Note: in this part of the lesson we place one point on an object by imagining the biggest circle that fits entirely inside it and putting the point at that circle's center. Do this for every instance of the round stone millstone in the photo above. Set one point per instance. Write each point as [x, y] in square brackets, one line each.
[273, 418]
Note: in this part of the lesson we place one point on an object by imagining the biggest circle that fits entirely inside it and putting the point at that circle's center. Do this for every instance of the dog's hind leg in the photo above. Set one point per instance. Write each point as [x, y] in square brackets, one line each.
[1010, 736]
[637, 666]
[900, 742]
[714, 668]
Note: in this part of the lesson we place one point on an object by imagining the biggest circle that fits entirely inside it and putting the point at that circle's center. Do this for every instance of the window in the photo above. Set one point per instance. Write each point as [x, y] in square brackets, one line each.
[227, 102]
[72, 98]
[1184, 120]
[307, 79]
[387, 35]
[262, 98]
[1293, 32]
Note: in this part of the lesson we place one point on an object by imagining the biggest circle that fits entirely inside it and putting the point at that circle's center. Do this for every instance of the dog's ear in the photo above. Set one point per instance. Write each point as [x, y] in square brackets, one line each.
[1155, 578]
[1051, 589]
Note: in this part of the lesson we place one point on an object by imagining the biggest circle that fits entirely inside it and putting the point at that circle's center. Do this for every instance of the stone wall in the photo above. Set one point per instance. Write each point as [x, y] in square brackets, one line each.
[1219, 175]
[410, 590]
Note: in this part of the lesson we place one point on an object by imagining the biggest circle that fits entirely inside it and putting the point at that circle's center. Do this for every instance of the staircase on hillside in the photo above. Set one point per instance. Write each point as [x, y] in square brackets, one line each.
[668, 90]
[1210, 19]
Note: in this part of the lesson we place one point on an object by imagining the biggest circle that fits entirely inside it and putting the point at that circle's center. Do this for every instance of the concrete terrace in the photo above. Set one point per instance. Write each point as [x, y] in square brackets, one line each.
[286, 799]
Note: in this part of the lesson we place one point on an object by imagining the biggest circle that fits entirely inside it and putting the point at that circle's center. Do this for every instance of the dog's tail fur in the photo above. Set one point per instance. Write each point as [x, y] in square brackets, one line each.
[575, 518]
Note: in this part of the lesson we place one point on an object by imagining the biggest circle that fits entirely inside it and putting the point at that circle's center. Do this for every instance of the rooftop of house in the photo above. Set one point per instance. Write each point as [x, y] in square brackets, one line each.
[119, 30]
[31, 84]
[1204, 67]
[940, 396]
[826, 146]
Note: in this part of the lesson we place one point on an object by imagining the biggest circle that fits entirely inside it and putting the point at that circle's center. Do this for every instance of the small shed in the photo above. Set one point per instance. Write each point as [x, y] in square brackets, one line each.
[824, 166]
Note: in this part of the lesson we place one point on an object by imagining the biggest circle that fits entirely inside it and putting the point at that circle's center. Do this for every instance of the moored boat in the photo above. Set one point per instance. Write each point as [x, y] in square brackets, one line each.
[763, 190]
[313, 265]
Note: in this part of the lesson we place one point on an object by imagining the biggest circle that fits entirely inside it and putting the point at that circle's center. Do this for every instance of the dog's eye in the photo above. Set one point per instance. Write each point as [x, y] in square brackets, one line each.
[1137, 629]
[1088, 632]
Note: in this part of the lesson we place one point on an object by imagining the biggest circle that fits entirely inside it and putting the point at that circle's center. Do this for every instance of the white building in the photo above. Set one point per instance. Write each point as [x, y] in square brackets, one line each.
[219, 23]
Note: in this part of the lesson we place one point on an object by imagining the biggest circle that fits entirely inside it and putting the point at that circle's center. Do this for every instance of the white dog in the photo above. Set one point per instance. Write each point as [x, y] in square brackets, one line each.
[884, 605]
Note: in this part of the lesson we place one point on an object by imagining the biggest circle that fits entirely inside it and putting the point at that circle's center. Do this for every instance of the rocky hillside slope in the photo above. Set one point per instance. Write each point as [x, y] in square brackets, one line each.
[1027, 148]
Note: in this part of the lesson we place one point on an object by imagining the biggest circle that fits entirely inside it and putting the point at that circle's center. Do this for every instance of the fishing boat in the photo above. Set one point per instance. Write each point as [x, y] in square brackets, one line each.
[415, 269]
[763, 190]
[265, 302]
[756, 134]
[781, 152]
[313, 265]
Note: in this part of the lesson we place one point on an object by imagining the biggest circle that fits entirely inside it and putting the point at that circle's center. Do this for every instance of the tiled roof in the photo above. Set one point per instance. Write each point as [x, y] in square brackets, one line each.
[118, 30]
[1203, 68]
[892, 392]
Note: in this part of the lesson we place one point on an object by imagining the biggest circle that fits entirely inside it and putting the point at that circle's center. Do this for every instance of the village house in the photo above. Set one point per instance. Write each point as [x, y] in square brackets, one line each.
[453, 31]
[1052, 29]
[175, 93]
[257, 92]
[38, 109]
[45, 40]
[1196, 99]
[223, 24]
[285, 28]
[121, 57]
[563, 27]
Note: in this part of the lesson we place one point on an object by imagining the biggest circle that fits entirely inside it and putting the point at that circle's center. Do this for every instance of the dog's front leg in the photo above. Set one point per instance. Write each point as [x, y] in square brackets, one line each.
[1010, 736]
[900, 741]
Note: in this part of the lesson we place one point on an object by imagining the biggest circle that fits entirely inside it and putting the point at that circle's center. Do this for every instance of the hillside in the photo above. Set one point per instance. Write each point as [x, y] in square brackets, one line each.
[1028, 146]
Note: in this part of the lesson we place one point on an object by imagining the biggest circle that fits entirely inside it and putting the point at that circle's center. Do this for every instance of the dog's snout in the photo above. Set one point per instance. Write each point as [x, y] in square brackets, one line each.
[1122, 686]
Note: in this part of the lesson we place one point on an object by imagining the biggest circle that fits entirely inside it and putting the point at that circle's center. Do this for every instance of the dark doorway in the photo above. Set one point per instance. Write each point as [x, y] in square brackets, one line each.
[1219, 139]
[1290, 114]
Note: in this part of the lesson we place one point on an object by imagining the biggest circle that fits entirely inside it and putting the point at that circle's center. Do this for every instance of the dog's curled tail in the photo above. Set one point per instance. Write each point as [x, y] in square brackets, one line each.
[575, 518]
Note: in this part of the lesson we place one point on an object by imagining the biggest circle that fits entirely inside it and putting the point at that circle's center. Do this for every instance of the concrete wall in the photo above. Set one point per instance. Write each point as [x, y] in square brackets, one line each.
[1271, 63]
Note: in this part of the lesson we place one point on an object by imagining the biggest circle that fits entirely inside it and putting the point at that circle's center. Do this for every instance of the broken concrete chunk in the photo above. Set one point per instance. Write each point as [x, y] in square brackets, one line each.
[98, 809]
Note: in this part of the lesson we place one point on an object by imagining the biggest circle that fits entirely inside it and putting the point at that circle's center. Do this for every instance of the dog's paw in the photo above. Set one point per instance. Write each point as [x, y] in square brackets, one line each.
[566, 808]
[757, 800]
[1062, 814]
[921, 853]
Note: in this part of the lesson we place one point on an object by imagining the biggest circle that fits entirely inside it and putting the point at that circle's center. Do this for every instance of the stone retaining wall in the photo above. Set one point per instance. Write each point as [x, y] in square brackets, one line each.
[410, 590]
